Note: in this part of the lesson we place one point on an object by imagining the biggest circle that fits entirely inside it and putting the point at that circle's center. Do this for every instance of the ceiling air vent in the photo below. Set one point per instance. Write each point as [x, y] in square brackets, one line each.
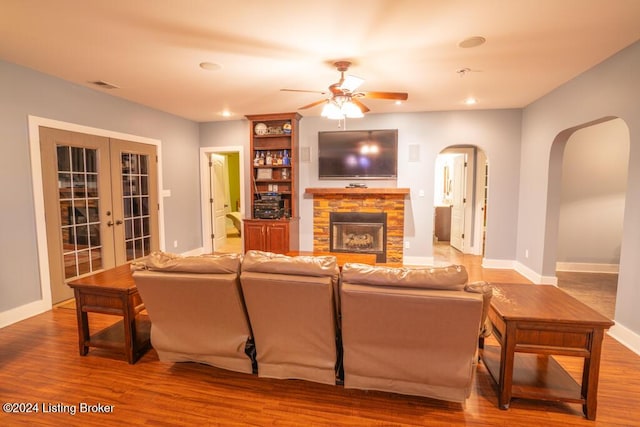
[104, 85]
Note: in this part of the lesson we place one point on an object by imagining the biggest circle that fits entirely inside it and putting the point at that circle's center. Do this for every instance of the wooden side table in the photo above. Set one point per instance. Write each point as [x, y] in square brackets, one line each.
[112, 292]
[533, 322]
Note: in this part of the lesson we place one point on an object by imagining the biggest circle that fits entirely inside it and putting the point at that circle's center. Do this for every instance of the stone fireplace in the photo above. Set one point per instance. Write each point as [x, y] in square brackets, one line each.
[359, 232]
[387, 201]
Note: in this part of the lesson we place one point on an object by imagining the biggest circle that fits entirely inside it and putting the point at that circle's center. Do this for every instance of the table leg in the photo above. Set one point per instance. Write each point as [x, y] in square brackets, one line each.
[590, 374]
[83, 325]
[129, 329]
[507, 355]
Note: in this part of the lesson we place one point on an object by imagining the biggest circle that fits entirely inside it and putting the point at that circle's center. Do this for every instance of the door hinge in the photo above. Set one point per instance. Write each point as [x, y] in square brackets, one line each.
[210, 163]
[464, 200]
[465, 164]
[211, 200]
[213, 235]
[463, 235]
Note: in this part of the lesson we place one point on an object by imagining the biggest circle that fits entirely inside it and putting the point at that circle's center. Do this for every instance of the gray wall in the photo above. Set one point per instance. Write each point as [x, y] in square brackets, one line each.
[594, 183]
[497, 132]
[608, 90]
[27, 92]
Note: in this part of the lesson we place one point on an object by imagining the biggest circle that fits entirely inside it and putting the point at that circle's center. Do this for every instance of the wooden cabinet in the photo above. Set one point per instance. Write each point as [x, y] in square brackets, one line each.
[279, 236]
[274, 176]
[442, 223]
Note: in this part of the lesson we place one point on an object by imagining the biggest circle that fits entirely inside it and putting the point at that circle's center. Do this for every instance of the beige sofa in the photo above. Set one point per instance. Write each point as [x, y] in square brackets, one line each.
[291, 306]
[404, 330]
[196, 309]
[411, 330]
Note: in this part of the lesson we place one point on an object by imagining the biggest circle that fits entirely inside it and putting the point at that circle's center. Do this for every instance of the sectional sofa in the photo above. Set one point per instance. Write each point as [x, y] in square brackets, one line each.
[403, 330]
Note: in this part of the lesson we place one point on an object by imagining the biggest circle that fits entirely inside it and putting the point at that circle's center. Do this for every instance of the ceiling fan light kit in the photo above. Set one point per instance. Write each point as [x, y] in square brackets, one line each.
[343, 103]
[341, 107]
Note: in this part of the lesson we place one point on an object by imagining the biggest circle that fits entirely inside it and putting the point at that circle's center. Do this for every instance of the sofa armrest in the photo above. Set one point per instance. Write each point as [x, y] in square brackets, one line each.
[486, 290]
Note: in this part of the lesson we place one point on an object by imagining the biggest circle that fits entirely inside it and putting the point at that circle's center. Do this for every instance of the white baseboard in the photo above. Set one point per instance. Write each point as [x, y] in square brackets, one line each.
[508, 264]
[626, 337]
[193, 252]
[502, 264]
[417, 260]
[23, 312]
[585, 267]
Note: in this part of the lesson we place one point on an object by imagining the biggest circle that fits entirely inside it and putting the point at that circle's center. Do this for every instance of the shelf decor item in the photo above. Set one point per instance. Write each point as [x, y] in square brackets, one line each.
[261, 129]
[264, 173]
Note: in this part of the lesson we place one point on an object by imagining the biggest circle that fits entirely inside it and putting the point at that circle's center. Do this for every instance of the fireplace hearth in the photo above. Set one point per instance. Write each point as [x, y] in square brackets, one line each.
[359, 232]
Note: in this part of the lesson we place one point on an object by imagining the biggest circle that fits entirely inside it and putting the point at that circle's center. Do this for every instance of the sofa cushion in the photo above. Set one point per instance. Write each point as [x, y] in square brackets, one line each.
[267, 262]
[203, 264]
[453, 277]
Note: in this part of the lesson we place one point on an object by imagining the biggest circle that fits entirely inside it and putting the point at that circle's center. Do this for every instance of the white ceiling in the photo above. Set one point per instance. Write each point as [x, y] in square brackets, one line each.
[151, 49]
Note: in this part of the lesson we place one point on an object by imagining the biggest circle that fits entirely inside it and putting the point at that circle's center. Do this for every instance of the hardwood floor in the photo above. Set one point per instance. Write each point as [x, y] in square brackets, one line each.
[39, 363]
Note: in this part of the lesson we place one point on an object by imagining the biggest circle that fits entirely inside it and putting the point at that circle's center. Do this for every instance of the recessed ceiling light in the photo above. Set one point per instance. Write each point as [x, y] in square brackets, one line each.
[210, 66]
[470, 101]
[472, 42]
[226, 113]
[398, 102]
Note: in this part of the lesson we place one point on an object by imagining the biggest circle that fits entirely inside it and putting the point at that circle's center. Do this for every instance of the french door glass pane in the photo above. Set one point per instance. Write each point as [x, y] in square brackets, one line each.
[79, 210]
[135, 199]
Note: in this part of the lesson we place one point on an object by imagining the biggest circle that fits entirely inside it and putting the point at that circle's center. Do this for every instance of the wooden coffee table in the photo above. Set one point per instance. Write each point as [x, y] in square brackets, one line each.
[533, 322]
[112, 292]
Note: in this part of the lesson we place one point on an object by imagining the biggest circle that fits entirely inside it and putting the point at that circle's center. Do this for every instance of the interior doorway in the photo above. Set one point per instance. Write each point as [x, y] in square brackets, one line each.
[593, 186]
[222, 175]
[460, 199]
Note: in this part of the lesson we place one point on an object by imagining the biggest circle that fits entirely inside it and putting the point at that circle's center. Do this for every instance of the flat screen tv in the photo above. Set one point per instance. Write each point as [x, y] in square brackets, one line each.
[358, 154]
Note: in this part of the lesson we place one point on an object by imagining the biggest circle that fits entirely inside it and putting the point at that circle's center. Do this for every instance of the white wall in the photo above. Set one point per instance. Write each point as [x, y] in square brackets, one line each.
[594, 183]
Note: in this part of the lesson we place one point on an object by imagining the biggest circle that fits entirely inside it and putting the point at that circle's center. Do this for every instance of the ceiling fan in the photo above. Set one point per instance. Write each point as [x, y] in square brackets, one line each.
[344, 100]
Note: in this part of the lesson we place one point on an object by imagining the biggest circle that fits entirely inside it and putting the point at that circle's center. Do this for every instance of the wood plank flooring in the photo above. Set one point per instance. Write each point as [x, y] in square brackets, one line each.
[39, 363]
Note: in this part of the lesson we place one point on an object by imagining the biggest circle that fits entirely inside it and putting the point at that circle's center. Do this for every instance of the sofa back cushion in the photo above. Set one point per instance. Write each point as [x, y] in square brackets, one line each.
[292, 308]
[453, 277]
[267, 262]
[203, 264]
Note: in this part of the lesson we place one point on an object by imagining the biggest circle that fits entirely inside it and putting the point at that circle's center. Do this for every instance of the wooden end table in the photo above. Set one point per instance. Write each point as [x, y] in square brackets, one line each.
[112, 292]
[533, 322]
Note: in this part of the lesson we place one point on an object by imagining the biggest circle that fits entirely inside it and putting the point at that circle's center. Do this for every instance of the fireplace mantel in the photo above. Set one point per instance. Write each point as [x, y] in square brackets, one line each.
[356, 191]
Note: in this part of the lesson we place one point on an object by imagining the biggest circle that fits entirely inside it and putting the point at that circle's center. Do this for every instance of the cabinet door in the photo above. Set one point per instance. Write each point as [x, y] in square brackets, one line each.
[278, 237]
[254, 236]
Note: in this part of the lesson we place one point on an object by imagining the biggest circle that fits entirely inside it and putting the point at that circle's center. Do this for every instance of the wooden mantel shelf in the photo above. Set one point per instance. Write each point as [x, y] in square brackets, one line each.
[356, 191]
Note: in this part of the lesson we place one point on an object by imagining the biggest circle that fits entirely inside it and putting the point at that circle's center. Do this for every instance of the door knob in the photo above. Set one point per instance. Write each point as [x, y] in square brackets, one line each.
[118, 222]
[110, 224]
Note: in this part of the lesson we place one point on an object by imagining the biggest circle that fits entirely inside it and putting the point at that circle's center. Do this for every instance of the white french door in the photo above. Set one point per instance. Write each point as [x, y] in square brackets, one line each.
[101, 204]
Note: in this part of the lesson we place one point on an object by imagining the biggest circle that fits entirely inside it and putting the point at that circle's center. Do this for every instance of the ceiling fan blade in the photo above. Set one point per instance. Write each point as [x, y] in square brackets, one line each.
[398, 96]
[321, 92]
[351, 83]
[313, 104]
[360, 105]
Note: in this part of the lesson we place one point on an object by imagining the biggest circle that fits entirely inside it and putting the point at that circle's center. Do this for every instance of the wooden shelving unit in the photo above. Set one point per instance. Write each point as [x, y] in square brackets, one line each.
[274, 166]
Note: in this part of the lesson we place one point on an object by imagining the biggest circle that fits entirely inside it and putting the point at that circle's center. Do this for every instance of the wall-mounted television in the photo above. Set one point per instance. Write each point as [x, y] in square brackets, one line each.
[358, 154]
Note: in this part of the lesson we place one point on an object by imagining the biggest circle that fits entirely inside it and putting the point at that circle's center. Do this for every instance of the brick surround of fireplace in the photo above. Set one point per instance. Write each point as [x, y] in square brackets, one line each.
[388, 200]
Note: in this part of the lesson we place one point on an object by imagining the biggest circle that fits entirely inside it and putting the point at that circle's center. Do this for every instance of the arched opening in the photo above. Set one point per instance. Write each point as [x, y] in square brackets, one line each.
[587, 191]
[460, 202]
